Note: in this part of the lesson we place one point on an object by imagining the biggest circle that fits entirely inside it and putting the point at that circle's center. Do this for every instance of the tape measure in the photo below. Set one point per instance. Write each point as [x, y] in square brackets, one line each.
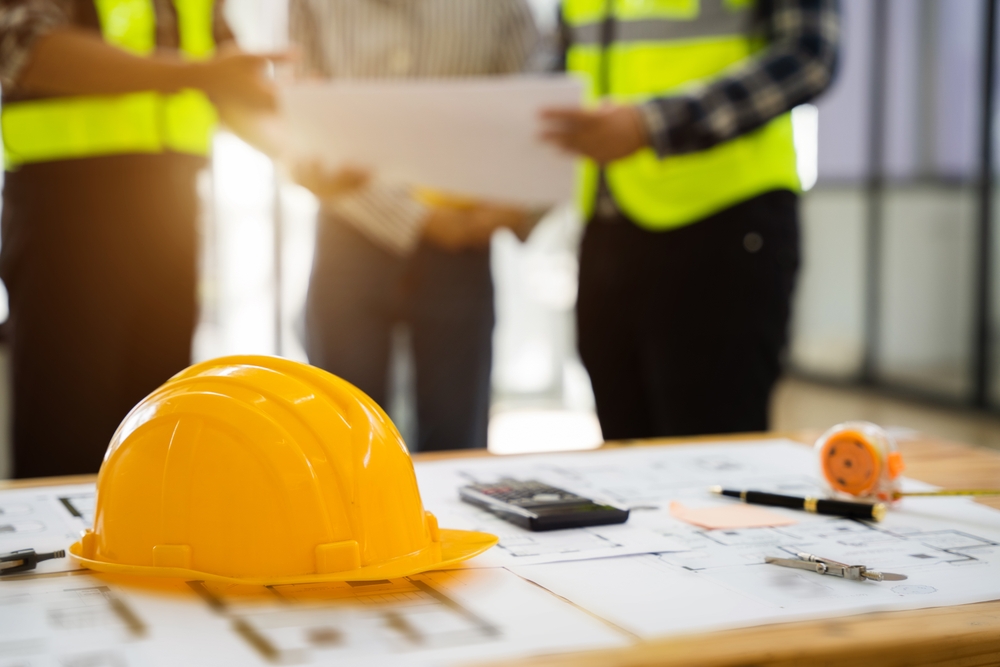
[859, 459]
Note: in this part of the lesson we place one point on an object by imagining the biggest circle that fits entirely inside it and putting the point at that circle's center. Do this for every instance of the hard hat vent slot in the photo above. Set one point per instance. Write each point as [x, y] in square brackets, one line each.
[172, 555]
[338, 557]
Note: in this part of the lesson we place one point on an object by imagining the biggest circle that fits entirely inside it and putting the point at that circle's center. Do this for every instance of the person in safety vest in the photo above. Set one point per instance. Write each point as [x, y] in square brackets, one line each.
[396, 254]
[107, 116]
[691, 192]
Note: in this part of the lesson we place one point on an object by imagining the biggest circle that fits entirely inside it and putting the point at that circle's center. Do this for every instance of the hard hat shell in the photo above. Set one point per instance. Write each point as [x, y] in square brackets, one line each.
[263, 470]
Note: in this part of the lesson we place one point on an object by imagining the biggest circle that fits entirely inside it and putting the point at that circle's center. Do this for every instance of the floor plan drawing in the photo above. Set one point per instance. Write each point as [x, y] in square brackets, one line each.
[81, 506]
[307, 623]
[77, 618]
[654, 576]
[949, 549]
[37, 519]
[433, 619]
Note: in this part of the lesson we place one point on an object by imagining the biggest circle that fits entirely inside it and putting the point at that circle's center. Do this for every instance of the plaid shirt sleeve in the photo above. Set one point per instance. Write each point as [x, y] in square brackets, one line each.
[797, 65]
[22, 22]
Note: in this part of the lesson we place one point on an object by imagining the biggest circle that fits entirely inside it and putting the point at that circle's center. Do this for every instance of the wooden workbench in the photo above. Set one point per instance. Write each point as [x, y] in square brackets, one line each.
[963, 636]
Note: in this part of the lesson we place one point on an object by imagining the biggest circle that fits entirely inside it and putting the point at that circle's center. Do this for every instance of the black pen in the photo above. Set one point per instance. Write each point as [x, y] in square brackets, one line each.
[873, 512]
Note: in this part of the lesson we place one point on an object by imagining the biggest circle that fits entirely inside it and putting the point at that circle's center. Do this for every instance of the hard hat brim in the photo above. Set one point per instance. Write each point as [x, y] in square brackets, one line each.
[456, 546]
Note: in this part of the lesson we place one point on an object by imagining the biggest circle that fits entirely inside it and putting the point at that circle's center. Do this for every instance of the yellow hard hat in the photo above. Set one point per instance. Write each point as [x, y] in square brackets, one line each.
[262, 470]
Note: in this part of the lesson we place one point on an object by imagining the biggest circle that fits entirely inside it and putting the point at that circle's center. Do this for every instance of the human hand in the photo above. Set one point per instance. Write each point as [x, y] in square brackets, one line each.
[445, 227]
[488, 217]
[460, 228]
[326, 183]
[236, 78]
[606, 134]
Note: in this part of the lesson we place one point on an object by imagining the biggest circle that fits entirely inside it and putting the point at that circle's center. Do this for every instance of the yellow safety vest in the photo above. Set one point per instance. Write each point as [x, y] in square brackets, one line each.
[145, 122]
[663, 47]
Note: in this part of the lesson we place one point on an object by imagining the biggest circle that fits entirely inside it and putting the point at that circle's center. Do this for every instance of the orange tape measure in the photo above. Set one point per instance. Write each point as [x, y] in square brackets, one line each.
[860, 459]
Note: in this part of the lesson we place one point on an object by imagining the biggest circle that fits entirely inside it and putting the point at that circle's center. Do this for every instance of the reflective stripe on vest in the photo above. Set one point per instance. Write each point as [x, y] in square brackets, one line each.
[146, 122]
[662, 47]
[128, 24]
[194, 22]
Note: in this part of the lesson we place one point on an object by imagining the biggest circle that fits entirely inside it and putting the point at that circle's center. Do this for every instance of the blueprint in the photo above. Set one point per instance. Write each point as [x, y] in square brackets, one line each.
[644, 479]
[949, 548]
[61, 614]
[76, 618]
[438, 618]
[45, 519]
[721, 580]
[439, 484]
[535, 593]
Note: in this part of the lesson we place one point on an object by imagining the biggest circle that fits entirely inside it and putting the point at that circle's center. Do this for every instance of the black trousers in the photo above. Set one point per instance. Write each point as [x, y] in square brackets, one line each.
[358, 292]
[99, 262]
[681, 331]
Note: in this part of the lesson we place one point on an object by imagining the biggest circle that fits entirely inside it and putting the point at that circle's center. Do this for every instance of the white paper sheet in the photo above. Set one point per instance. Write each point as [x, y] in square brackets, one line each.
[722, 582]
[948, 547]
[699, 581]
[645, 479]
[439, 483]
[476, 137]
[45, 519]
[434, 619]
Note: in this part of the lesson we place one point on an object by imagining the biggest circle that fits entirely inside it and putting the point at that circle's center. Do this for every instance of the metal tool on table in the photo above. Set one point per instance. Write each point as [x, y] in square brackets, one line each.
[24, 560]
[833, 568]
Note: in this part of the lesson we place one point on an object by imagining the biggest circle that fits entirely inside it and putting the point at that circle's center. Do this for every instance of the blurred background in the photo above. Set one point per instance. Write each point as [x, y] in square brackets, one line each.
[898, 304]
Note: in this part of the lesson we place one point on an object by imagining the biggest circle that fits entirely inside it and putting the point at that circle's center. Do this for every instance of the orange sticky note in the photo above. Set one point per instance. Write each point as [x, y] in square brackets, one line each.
[736, 515]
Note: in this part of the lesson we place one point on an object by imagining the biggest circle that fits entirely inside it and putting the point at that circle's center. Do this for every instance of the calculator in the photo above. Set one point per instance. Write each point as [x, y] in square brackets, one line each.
[537, 506]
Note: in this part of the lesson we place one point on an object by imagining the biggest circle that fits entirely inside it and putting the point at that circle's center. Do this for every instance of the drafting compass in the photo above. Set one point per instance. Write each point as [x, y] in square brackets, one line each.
[833, 568]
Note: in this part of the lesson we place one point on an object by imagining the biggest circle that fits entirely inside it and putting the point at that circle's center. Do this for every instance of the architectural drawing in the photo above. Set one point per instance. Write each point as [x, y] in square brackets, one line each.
[75, 618]
[653, 576]
[326, 622]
